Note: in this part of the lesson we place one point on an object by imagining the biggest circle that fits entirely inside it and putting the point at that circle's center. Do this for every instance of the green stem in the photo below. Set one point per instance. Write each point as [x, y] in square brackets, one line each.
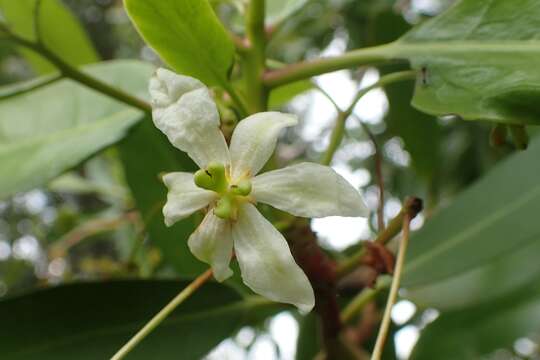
[308, 69]
[385, 324]
[365, 297]
[162, 315]
[339, 129]
[73, 73]
[255, 57]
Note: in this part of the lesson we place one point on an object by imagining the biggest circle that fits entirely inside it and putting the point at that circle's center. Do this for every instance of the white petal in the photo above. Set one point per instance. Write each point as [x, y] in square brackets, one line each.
[266, 262]
[212, 243]
[254, 141]
[183, 109]
[309, 190]
[184, 197]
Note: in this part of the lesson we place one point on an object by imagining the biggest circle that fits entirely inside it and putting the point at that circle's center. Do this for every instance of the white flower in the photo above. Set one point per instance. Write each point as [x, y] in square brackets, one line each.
[226, 184]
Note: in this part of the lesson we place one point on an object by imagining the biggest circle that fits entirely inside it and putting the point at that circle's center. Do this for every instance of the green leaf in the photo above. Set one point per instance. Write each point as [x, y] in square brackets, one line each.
[47, 131]
[492, 218]
[499, 277]
[475, 332]
[187, 35]
[143, 169]
[279, 10]
[283, 94]
[478, 60]
[93, 320]
[59, 30]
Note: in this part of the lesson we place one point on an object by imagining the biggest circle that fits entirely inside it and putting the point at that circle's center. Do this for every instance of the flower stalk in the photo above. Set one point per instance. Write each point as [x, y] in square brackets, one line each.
[162, 314]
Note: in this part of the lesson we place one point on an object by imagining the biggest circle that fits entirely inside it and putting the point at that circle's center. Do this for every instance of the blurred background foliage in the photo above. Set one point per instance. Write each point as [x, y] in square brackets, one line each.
[101, 220]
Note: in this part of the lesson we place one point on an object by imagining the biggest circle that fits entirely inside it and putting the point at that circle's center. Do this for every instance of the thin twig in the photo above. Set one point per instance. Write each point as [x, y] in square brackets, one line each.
[88, 229]
[412, 206]
[363, 298]
[73, 73]
[339, 129]
[385, 324]
[162, 314]
[378, 174]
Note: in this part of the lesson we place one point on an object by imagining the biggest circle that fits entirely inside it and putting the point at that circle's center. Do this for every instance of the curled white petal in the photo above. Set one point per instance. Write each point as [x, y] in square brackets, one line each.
[254, 141]
[212, 243]
[266, 262]
[309, 190]
[183, 109]
[184, 197]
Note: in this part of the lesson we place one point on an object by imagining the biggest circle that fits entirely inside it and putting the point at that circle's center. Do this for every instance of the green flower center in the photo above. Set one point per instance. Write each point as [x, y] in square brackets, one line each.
[231, 194]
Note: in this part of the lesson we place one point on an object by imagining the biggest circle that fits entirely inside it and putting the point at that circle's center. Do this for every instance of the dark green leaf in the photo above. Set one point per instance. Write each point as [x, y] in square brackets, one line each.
[491, 280]
[47, 131]
[93, 320]
[475, 332]
[187, 35]
[59, 30]
[146, 154]
[495, 216]
[478, 60]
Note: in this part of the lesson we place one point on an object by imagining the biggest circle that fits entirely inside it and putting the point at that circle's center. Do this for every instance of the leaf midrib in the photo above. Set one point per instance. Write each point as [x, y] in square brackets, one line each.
[405, 49]
[474, 229]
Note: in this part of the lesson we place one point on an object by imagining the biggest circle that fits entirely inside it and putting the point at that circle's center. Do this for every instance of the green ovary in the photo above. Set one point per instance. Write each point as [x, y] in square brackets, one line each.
[231, 195]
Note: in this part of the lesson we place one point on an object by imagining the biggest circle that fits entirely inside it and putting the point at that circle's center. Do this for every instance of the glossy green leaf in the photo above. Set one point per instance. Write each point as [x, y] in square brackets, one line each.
[93, 320]
[187, 35]
[476, 332]
[59, 30]
[478, 60]
[47, 131]
[492, 218]
[146, 154]
[499, 277]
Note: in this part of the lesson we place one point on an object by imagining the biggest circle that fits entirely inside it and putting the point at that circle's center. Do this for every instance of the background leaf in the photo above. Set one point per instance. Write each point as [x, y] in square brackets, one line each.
[278, 10]
[187, 35]
[475, 332]
[93, 320]
[40, 136]
[488, 222]
[477, 60]
[146, 154]
[69, 41]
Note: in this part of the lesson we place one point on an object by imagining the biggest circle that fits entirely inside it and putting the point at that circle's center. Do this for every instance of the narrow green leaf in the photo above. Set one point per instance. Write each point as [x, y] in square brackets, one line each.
[59, 30]
[499, 277]
[478, 60]
[187, 35]
[47, 131]
[146, 154]
[496, 215]
[93, 320]
[476, 332]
